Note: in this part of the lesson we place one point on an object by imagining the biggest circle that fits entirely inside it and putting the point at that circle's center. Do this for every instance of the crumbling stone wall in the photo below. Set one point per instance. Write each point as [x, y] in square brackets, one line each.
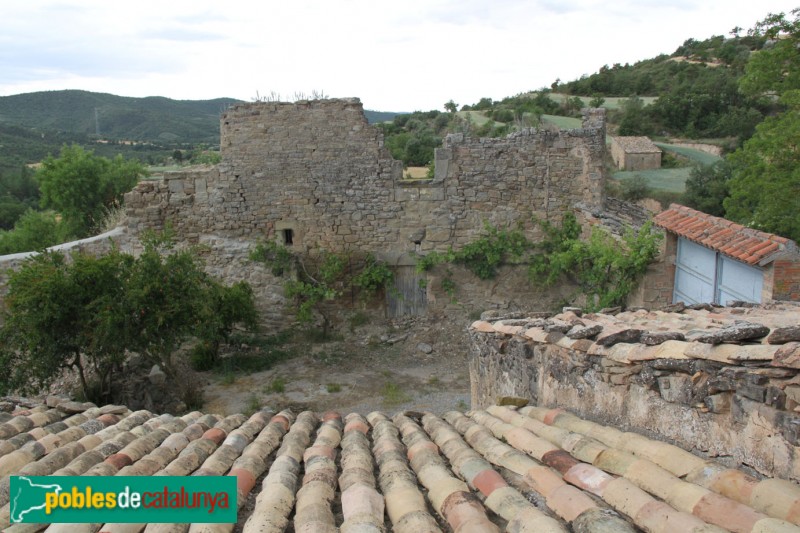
[713, 387]
[318, 175]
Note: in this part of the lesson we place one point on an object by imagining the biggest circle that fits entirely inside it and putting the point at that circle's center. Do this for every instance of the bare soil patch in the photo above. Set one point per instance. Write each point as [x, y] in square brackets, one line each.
[415, 363]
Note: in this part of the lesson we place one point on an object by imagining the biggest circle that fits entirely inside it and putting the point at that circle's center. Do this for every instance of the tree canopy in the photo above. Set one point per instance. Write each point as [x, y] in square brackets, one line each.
[84, 314]
[80, 185]
[765, 182]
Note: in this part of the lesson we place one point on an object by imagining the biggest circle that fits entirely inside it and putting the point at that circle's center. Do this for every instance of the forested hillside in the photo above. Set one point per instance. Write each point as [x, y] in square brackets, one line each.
[116, 117]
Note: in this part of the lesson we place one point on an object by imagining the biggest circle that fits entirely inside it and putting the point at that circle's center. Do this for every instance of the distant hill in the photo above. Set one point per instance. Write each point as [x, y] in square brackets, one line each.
[116, 117]
[154, 118]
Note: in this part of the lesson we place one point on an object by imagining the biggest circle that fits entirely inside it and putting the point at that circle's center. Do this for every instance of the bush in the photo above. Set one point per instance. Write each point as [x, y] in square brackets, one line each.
[635, 189]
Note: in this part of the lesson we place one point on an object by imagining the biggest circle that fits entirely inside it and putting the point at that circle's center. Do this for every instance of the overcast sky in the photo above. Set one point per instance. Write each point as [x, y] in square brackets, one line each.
[396, 56]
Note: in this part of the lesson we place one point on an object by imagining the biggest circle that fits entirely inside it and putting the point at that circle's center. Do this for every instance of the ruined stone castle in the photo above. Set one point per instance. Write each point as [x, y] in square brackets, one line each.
[315, 175]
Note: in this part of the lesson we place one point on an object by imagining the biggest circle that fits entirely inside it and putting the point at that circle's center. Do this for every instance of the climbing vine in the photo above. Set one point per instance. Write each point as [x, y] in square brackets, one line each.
[605, 269]
[483, 256]
[310, 282]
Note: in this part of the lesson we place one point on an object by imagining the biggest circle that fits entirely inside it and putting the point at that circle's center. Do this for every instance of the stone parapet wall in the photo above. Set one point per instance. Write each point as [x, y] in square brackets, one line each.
[722, 381]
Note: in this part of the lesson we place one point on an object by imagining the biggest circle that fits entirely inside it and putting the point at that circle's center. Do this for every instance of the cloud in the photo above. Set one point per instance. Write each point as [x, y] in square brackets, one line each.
[415, 54]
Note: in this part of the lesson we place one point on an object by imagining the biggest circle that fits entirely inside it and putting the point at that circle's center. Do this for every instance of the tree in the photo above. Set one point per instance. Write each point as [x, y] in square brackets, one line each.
[775, 68]
[80, 185]
[765, 183]
[597, 100]
[86, 313]
[35, 230]
[634, 119]
[707, 188]
[64, 315]
[765, 187]
[451, 106]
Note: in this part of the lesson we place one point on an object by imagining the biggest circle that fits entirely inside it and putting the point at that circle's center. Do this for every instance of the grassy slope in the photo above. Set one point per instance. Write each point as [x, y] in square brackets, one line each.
[670, 179]
[611, 102]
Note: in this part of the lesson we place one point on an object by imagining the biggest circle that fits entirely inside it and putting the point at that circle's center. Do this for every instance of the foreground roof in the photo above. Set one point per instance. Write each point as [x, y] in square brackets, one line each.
[745, 244]
[518, 469]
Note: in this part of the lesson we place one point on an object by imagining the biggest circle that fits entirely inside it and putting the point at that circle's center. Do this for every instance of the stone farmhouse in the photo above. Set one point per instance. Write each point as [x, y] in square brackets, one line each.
[635, 153]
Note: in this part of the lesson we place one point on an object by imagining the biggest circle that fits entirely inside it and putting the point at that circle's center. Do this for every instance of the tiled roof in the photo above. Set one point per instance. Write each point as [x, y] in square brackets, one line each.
[637, 145]
[521, 470]
[745, 244]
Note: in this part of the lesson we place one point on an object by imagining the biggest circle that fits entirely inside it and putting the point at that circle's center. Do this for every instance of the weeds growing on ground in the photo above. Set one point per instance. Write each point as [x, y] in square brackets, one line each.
[393, 394]
[333, 387]
[278, 385]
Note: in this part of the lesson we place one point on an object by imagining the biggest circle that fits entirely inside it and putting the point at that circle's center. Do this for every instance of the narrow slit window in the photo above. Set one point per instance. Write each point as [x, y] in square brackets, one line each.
[288, 237]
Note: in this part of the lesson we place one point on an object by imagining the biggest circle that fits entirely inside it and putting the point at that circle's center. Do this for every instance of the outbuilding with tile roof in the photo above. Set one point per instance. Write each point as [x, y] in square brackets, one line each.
[713, 260]
[635, 153]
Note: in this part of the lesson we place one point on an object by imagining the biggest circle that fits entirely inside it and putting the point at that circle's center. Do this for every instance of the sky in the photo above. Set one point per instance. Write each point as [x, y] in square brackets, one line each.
[403, 55]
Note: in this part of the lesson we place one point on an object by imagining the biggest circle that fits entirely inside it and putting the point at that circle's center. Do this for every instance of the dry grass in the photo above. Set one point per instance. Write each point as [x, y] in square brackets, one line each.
[416, 173]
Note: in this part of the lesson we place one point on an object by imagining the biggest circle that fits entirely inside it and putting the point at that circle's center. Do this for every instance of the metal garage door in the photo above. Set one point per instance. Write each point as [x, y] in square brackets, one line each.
[695, 273]
[738, 281]
[703, 275]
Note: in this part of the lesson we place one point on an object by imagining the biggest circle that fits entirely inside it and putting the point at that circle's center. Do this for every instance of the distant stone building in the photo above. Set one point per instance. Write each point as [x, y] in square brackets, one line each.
[635, 153]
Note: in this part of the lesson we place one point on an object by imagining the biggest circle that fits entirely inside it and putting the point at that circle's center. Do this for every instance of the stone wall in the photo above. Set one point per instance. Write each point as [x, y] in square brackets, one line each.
[723, 382]
[317, 176]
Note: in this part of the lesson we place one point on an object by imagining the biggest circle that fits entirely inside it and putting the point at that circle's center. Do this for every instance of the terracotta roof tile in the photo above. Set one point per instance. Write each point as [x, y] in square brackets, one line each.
[745, 244]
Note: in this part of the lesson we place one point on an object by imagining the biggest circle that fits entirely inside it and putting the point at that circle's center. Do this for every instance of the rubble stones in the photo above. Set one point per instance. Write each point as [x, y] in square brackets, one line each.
[584, 332]
[609, 337]
[784, 335]
[653, 338]
[736, 332]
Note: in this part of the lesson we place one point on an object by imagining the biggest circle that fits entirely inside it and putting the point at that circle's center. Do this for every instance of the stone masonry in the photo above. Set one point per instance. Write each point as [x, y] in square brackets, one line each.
[315, 175]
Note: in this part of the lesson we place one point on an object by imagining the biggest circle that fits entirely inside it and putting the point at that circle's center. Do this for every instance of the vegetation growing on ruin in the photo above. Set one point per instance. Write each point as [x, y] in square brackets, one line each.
[484, 255]
[604, 269]
[312, 281]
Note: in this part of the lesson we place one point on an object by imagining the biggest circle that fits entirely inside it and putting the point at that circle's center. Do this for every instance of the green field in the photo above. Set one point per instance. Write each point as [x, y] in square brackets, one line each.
[665, 179]
[565, 123]
[695, 155]
[611, 102]
[670, 179]
[477, 117]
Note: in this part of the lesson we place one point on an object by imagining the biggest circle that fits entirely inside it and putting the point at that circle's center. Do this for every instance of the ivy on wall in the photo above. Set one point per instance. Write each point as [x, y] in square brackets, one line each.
[310, 282]
[604, 269]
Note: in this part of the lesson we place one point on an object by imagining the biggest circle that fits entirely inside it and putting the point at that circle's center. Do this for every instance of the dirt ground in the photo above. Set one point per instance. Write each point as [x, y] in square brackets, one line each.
[417, 363]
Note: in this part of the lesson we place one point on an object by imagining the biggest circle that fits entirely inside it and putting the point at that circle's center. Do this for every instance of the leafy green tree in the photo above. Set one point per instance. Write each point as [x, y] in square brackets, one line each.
[84, 314]
[634, 120]
[775, 68]
[64, 315]
[222, 309]
[80, 185]
[35, 230]
[765, 187]
[597, 100]
[707, 188]
[450, 106]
